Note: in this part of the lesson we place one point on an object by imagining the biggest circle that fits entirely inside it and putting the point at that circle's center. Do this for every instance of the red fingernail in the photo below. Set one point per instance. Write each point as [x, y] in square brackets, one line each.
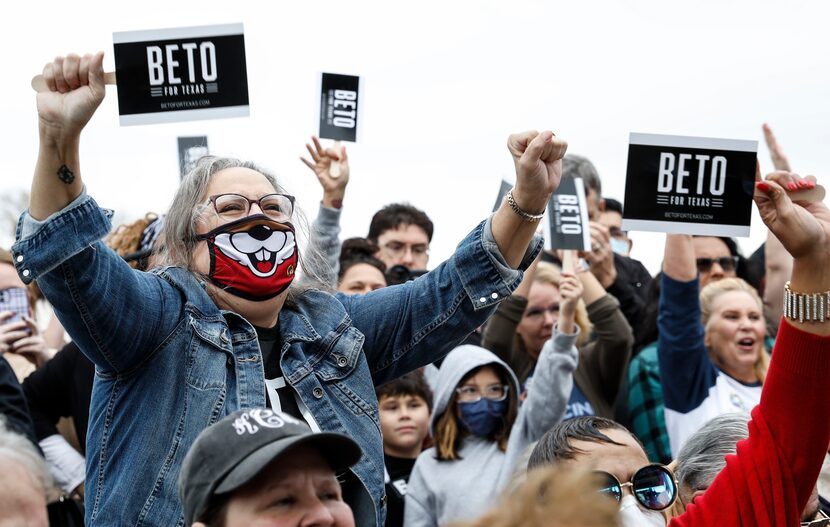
[792, 186]
[763, 186]
[810, 184]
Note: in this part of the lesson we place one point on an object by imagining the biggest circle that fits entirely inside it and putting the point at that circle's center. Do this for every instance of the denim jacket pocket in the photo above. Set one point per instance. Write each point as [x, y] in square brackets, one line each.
[208, 355]
[345, 373]
[342, 355]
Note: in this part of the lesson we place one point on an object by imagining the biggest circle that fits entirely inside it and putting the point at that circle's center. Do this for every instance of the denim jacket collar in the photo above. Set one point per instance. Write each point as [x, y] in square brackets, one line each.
[295, 321]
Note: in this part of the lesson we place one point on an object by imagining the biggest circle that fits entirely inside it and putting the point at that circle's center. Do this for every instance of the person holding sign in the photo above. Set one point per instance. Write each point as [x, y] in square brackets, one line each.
[480, 430]
[625, 278]
[770, 479]
[529, 318]
[179, 347]
[711, 344]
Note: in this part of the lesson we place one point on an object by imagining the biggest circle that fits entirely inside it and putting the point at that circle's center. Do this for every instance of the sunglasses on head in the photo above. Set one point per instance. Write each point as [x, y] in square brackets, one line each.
[653, 486]
[727, 263]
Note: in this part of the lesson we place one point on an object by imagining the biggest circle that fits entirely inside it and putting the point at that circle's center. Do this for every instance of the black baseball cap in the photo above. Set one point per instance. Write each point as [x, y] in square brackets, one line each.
[232, 452]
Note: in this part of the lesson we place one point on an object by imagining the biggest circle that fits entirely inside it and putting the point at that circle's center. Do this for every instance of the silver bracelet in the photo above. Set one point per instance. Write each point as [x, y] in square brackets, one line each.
[521, 213]
[806, 307]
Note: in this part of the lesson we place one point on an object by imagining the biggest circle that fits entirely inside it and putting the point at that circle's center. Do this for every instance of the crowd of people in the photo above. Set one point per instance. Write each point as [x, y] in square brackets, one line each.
[208, 366]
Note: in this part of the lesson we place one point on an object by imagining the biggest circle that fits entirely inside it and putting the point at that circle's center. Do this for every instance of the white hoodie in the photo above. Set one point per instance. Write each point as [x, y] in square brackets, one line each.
[444, 491]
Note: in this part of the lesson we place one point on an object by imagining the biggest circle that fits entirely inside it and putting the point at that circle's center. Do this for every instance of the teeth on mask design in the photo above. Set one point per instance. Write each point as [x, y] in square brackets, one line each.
[261, 249]
[253, 258]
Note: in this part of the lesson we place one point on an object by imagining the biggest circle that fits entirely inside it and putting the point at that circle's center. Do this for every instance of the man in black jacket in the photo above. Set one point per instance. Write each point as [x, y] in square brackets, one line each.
[625, 278]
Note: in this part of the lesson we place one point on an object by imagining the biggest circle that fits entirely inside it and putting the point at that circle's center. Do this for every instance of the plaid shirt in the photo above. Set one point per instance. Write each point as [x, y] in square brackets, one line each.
[645, 404]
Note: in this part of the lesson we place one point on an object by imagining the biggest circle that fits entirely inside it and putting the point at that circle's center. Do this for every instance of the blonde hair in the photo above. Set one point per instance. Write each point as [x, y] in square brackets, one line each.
[547, 273]
[713, 291]
[553, 497]
[447, 435]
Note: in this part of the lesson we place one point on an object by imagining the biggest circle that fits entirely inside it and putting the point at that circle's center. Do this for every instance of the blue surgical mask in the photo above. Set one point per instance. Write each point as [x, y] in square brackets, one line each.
[484, 416]
[619, 246]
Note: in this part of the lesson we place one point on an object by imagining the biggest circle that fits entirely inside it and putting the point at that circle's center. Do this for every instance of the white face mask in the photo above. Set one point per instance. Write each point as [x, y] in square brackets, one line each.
[632, 515]
[619, 246]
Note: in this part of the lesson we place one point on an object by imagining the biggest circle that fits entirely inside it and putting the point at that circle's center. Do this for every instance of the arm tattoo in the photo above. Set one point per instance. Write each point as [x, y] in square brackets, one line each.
[66, 175]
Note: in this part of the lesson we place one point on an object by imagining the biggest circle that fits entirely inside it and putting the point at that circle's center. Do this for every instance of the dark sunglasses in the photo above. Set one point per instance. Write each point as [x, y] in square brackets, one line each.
[727, 263]
[654, 486]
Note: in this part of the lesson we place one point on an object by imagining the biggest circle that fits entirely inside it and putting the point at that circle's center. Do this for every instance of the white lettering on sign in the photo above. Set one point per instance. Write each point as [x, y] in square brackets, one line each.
[569, 213]
[344, 99]
[159, 61]
[172, 64]
[154, 65]
[674, 170]
[191, 69]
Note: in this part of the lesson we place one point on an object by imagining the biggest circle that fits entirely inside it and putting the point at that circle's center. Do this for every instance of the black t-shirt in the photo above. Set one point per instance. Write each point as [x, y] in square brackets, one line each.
[279, 394]
[61, 388]
[399, 470]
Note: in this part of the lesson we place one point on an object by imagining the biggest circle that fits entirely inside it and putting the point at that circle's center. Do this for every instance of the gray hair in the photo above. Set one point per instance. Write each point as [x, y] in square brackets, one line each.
[704, 455]
[188, 208]
[578, 166]
[19, 449]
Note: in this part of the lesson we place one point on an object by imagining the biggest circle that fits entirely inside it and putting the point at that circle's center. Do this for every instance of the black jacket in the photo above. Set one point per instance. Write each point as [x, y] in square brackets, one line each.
[13, 405]
[61, 388]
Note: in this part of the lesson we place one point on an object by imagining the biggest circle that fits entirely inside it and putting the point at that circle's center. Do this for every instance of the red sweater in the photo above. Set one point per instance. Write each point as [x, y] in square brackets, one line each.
[768, 482]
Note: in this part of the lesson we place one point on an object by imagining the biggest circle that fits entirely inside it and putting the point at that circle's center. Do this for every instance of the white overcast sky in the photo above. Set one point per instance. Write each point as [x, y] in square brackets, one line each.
[445, 83]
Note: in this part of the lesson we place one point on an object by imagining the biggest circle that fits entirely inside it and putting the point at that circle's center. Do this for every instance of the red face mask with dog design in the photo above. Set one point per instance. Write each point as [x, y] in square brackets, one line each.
[254, 257]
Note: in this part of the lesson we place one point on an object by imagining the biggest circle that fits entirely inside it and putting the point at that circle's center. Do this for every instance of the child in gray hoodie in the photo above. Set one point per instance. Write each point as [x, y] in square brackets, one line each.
[479, 429]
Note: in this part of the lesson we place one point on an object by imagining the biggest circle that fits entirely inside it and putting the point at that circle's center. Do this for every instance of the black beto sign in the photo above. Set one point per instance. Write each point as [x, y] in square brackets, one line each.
[689, 185]
[181, 74]
[191, 149]
[339, 107]
[567, 226]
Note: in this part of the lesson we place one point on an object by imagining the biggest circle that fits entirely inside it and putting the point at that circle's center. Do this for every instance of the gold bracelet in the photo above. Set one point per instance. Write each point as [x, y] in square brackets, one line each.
[521, 213]
[806, 307]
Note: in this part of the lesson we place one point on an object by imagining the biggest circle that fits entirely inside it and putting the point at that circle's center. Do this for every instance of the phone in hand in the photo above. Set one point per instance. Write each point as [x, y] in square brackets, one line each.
[16, 300]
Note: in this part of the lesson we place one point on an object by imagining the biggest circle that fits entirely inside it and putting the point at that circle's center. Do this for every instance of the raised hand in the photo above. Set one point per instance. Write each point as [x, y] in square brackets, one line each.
[334, 188]
[33, 347]
[76, 89]
[538, 161]
[570, 291]
[803, 227]
[601, 257]
[779, 160]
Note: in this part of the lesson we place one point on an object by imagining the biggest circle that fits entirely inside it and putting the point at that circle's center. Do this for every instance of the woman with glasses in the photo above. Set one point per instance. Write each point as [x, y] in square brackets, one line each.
[479, 429]
[531, 316]
[711, 344]
[223, 325]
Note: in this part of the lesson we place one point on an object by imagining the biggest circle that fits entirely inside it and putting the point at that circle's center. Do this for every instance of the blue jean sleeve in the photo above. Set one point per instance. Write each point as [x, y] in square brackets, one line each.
[113, 312]
[413, 324]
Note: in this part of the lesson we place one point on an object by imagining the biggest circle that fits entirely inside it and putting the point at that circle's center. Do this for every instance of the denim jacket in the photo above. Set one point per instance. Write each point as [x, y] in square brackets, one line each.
[169, 362]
